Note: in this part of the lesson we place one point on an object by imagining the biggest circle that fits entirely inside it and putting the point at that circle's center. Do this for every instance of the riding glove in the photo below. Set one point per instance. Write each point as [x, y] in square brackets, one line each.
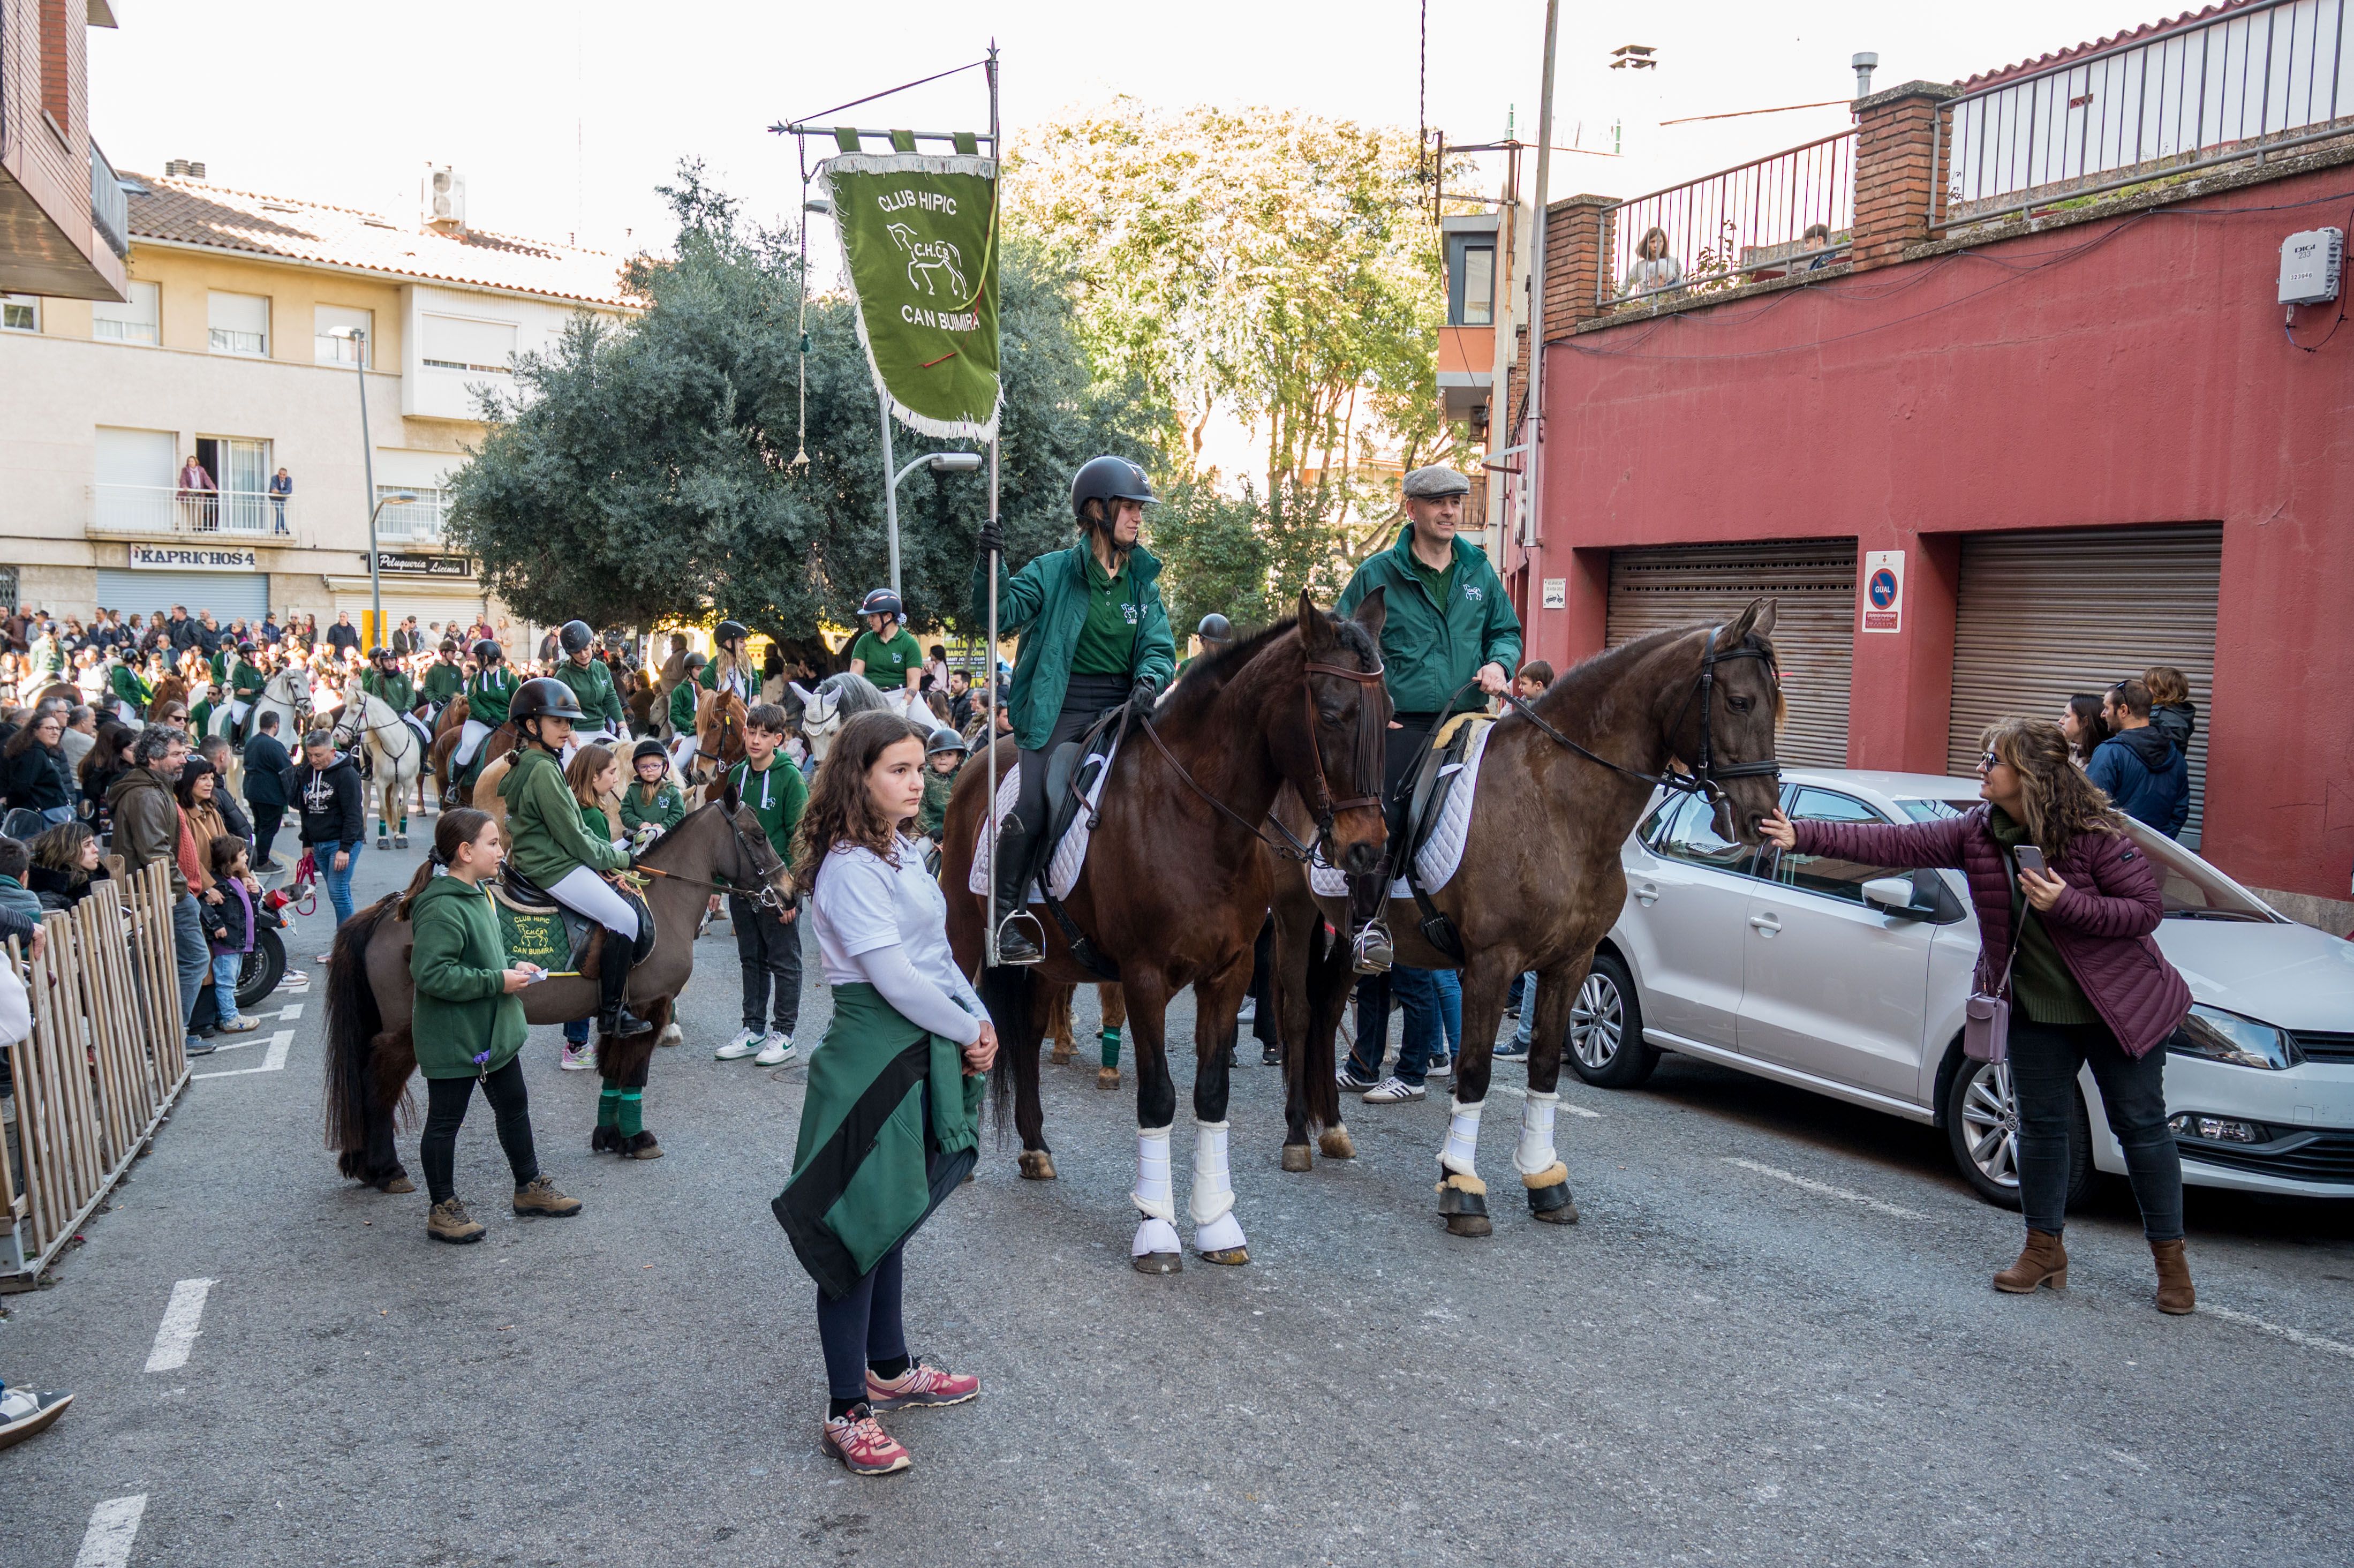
[992, 538]
[1141, 695]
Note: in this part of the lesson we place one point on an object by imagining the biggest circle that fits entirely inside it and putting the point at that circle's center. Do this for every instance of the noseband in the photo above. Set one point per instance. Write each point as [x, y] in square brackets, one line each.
[1367, 752]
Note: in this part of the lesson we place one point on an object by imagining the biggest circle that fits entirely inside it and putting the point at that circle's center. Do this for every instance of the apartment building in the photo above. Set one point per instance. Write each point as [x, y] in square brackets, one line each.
[258, 338]
[62, 221]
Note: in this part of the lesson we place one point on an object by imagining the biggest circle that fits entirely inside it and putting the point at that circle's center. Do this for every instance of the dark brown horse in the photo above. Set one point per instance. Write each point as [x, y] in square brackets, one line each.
[370, 1054]
[1177, 881]
[1539, 882]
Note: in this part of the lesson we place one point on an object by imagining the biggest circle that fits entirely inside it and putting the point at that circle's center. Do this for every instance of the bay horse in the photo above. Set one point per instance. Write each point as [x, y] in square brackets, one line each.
[440, 757]
[170, 687]
[370, 1000]
[718, 733]
[1539, 883]
[1177, 881]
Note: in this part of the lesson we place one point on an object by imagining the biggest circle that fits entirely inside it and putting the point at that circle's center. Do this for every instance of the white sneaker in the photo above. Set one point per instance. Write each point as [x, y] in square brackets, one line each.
[745, 1042]
[1393, 1090]
[1247, 1013]
[1440, 1067]
[776, 1050]
[580, 1060]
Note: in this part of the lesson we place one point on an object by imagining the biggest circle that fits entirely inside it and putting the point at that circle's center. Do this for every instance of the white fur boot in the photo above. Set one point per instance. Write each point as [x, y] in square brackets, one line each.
[1156, 1249]
[1217, 1235]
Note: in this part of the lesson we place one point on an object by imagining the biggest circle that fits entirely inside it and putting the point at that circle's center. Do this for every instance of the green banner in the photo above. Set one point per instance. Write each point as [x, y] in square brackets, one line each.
[919, 245]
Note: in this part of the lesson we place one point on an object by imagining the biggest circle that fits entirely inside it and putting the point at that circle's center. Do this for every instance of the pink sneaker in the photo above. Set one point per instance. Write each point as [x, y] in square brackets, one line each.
[859, 1441]
[921, 1384]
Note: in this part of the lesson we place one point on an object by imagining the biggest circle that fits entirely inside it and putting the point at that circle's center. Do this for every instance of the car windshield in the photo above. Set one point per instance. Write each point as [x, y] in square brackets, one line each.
[2193, 890]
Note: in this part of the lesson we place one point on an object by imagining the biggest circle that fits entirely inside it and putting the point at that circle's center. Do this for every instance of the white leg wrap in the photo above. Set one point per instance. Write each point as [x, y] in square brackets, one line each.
[1213, 1188]
[1536, 1155]
[1154, 1196]
[1461, 1153]
[1154, 1233]
[1223, 1234]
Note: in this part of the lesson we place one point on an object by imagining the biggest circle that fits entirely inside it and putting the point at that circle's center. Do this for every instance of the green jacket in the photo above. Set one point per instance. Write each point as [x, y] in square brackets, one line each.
[488, 694]
[868, 1168]
[665, 810]
[1047, 601]
[544, 827]
[399, 694]
[777, 797]
[937, 788]
[683, 703]
[592, 687]
[1431, 649]
[245, 682]
[46, 659]
[125, 682]
[444, 681]
[456, 959]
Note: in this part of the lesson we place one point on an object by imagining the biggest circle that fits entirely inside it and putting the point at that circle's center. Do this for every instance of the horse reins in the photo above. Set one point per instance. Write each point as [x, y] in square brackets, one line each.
[765, 895]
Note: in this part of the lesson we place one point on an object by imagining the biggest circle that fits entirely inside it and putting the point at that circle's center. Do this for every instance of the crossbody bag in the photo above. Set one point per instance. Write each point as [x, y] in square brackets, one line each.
[1985, 1017]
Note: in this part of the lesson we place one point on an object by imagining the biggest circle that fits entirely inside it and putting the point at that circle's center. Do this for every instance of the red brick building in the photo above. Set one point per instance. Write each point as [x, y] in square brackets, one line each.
[62, 229]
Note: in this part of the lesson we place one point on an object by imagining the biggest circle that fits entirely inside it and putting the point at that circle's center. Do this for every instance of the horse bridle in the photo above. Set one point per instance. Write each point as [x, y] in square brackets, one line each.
[359, 724]
[1701, 780]
[765, 896]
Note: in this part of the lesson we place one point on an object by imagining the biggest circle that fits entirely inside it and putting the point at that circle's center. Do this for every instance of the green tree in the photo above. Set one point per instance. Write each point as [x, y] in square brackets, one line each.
[654, 470]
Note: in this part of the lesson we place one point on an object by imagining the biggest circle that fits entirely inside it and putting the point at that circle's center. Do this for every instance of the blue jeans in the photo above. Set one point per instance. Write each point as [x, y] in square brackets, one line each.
[339, 883]
[575, 1034]
[1527, 1010]
[1448, 984]
[1417, 994]
[190, 953]
[225, 968]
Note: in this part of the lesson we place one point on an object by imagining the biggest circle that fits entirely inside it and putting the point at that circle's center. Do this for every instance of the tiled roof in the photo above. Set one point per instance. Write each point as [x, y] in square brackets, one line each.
[2138, 35]
[194, 213]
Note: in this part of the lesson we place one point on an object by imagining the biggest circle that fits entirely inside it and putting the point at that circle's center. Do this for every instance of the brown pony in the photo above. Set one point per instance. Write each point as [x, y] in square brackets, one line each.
[1540, 880]
[1177, 882]
[718, 733]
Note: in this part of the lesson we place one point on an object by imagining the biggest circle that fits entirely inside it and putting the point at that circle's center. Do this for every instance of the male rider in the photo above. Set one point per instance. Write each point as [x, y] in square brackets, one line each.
[1448, 642]
[887, 652]
[589, 678]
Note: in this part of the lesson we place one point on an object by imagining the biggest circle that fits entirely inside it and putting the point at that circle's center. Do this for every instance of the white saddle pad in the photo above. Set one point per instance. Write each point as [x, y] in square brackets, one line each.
[1442, 853]
[1063, 869]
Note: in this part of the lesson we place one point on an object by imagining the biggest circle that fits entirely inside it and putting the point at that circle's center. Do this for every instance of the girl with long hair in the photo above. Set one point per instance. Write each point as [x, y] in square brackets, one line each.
[2082, 725]
[66, 866]
[2070, 945]
[888, 1123]
[469, 1025]
[108, 760]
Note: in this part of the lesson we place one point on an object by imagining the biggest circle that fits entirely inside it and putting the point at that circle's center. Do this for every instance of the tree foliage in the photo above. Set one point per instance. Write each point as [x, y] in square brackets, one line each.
[651, 471]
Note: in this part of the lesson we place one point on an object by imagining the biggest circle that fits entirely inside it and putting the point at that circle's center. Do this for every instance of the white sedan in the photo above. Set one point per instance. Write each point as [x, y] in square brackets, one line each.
[1848, 979]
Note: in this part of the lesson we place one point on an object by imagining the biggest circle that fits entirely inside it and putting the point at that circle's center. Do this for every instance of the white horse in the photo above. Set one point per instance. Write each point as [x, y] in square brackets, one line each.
[396, 755]
[832, 704]
[287, 695]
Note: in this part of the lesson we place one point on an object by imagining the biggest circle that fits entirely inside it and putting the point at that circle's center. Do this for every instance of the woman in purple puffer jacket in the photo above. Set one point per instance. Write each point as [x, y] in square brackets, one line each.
[2086, 981]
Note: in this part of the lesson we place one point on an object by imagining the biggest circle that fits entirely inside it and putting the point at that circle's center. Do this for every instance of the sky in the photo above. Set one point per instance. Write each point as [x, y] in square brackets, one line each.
[564, 118]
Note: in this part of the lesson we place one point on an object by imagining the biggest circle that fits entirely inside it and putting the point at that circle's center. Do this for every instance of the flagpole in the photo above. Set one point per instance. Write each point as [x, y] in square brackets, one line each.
[989, 653]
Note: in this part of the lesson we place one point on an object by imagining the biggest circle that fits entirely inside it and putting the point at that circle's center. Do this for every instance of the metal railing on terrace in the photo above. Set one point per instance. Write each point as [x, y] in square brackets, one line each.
[418, 521]
[167, 509]
[110, 210]
[1791, 212]
[2274, 75]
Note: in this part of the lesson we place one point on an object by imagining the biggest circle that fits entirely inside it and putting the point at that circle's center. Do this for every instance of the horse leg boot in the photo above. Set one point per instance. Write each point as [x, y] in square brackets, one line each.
[1156, 1249]
[1217, 1235]
[1542, 1172]
[1462, 1196]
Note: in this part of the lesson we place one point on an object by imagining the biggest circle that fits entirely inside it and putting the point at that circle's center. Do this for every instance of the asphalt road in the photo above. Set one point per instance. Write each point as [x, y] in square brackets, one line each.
[1771, 1340]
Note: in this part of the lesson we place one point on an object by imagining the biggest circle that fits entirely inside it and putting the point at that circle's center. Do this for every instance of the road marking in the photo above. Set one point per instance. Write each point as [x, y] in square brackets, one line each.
[2294, 1336]
[183, 1317]
[113, 1526]
[289, 1013]
[279, 1044]
[1523, 1094]
[1825, 1189]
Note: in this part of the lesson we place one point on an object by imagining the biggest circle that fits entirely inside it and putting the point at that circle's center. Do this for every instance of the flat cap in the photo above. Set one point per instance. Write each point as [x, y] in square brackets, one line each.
[1431, 483]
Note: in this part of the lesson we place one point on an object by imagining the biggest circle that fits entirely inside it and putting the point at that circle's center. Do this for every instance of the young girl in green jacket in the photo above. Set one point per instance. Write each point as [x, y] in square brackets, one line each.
[468, 1023]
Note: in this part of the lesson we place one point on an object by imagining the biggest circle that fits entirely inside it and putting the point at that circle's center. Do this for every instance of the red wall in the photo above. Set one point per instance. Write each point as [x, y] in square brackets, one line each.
[2139, 374]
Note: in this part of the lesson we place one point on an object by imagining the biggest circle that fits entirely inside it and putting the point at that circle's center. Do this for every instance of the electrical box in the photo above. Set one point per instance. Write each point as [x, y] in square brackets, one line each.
[2310, 266]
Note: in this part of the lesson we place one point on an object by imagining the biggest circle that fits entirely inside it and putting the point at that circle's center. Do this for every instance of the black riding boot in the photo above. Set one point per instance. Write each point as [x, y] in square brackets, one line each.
[613, 1015]
[1015, 873]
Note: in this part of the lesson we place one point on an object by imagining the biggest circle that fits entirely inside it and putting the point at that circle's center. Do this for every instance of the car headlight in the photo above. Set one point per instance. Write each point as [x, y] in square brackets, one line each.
[2227, 1037]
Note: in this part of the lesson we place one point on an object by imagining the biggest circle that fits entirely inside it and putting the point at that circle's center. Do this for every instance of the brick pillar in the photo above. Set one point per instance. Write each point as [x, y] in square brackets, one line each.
[1895, 184]
[1577, 238]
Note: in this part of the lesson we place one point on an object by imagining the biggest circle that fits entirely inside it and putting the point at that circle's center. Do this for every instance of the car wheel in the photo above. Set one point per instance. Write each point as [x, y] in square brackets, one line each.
[1982, 1128]
[1605, 1044]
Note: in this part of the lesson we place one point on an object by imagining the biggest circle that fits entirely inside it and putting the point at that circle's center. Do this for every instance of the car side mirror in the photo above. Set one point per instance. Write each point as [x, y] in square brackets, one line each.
[1896, 896]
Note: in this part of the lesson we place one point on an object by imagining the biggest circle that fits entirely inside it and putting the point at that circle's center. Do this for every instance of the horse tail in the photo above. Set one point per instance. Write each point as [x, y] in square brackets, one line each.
[354, 1020]
[1008, 991]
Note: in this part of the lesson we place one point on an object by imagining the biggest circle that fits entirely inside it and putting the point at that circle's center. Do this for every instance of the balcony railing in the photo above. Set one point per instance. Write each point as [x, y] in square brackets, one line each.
[110, 210]
[412, 522]
[2271, 76]
[1792, 212]
[142, 509]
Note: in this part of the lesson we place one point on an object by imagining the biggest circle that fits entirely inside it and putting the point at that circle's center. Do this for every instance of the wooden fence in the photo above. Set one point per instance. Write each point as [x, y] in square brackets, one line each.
[106, 1059]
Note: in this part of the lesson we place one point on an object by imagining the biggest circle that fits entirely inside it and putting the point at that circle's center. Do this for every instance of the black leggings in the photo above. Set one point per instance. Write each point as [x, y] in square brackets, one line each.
[446, 1101]
[862, 1327]
[1084, 702]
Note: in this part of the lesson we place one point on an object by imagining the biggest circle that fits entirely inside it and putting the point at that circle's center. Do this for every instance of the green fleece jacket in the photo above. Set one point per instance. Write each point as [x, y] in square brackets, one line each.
[457, 963]
[1046, 602]
[544, 826]
[1431, 649]
[592, 688]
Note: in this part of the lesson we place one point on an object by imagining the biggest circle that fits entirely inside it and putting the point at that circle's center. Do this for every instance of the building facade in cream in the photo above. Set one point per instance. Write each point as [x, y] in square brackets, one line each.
[255, 324]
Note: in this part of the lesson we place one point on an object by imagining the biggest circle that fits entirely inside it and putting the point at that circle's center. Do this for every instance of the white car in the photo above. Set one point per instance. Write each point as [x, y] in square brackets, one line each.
[1848, 979]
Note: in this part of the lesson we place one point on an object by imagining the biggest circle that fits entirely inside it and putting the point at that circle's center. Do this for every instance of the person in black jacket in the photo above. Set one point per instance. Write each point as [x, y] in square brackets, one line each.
[328, 792]
[267, 772]
[215, 750]
[33, 771]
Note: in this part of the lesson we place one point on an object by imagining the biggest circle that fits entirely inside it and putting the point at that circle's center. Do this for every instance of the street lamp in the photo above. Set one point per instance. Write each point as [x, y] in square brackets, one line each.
[357, 337]
[939, 463]
[375, 587]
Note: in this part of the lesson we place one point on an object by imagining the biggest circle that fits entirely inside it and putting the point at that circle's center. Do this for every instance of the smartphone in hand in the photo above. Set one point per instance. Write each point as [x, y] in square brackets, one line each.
[2030, 859]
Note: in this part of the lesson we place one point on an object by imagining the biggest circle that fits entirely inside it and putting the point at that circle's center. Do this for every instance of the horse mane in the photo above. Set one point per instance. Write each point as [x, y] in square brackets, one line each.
[1209, 674]
[1609, 669]
[854, 693]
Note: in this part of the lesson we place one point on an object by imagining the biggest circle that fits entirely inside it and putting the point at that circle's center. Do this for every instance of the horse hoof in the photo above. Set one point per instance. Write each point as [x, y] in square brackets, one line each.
[1062, 1056]
[1037, 1165]
[400, 840]
[1298, 1157]
[1106, 1077]
[1229, 1257]
[1336, 1143]
[1552, 1204]
[383, 842]
[1158, 1263]
[396, 1184]
[672, 1035]
[1469, 1225]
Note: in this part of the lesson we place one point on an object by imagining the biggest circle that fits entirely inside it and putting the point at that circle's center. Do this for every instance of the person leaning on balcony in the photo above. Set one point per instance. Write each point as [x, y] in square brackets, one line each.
[197, 493]
[282, 486]
[2071, 947]
[1654, 270]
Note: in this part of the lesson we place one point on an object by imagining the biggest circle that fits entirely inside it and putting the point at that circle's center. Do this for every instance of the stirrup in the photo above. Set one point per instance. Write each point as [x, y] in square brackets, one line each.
[1021, 939]
[1370, 953]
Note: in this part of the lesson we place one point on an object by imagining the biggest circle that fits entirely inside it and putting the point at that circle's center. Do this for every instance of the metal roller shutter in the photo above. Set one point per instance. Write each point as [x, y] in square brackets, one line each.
[228, 594]
[2046, 615]
[1812, 584]
[427, 607]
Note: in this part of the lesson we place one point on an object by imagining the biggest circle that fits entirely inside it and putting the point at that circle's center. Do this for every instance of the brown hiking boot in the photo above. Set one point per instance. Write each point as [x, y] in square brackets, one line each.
[539, 1196]
[449, 1223]
[2042, 1262]
[2174, 1292]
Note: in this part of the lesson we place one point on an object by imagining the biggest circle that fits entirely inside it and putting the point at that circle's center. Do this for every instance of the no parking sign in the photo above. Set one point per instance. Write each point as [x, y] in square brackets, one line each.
[1883, 590]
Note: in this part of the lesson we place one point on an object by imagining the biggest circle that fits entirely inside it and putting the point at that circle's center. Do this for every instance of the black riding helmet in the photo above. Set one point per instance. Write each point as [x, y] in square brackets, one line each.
[1109, 479]
[695, 662]
[882, 601]
[943, 739]
[647, 747]
[575, 638]
[543, 696]
[728, 632]
[1215, 628]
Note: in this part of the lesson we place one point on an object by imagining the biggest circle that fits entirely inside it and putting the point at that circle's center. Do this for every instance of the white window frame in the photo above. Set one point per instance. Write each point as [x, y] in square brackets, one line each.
[327, 349]
[152, 325]
[14, 303]
[225, 340]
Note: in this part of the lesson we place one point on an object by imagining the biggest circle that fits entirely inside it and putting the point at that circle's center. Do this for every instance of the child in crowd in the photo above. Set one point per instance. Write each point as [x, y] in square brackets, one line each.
[653, 798]
[229, 928]
[943, 760]
[767, 945]
[1531, 682]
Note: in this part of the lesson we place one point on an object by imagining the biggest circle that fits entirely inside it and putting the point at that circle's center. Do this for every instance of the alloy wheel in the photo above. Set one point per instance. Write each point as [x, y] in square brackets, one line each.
[1990, 1123]
[1598, 1022]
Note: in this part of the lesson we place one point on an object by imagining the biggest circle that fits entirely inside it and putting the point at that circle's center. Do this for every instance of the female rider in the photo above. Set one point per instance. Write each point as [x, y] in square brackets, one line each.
[488, 691]
[1097, 635]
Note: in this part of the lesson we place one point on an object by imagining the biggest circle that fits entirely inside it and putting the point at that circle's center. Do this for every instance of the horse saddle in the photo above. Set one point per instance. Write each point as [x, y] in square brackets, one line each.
[1433, 780]
[1074, 770]
[540, 929]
